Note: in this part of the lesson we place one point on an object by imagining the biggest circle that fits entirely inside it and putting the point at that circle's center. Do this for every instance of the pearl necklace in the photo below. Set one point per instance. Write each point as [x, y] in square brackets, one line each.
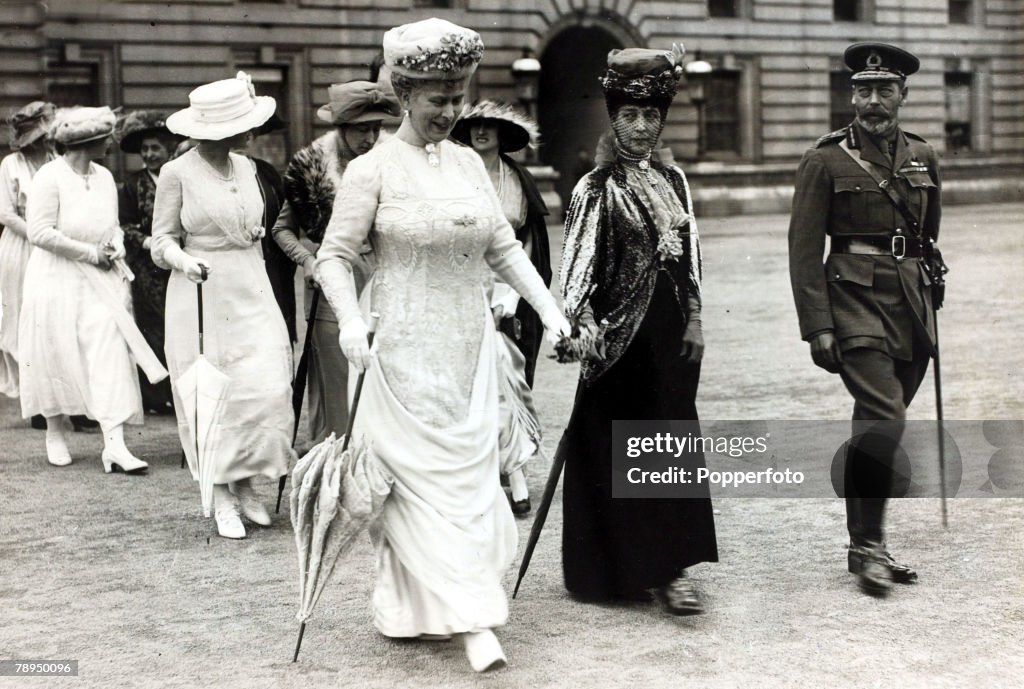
[641, 161]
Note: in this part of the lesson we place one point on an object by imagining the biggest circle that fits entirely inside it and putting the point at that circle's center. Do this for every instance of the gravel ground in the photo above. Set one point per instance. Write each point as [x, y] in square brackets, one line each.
[123, 574]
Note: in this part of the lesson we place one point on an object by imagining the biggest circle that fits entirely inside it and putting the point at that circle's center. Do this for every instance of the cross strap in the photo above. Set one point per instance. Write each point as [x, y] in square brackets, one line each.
[887, 188]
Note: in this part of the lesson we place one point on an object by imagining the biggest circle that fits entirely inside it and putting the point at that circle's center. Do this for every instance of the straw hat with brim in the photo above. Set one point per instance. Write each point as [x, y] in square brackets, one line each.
[75, 126]
[358, 101]
[31, 123]
[222, 109]
[143, 124]
[515, 129]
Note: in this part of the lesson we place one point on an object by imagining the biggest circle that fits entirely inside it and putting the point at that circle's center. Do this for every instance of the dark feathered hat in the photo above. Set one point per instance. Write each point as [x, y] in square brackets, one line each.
[643, 75]
[143, 123]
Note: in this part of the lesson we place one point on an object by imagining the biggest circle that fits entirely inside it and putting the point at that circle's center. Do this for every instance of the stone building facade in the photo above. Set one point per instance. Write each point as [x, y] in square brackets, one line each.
[777, 81]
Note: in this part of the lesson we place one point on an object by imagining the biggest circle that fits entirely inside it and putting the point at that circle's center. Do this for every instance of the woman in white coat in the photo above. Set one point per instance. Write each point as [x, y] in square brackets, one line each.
[78, 343]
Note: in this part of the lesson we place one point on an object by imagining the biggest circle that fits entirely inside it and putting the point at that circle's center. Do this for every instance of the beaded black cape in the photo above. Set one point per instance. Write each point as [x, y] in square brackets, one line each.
[610, 261]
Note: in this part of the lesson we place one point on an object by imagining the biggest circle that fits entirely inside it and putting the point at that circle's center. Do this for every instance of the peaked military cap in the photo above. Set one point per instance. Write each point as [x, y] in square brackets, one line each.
[879, 62]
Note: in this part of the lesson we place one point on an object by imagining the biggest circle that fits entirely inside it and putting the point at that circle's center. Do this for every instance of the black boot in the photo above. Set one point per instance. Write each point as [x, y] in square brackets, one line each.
[83, 424]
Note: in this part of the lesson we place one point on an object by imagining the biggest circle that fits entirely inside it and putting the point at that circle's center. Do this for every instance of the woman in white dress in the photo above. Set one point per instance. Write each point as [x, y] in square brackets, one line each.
[209, 200]
[76, 336]
[31, 150]
[429, 406]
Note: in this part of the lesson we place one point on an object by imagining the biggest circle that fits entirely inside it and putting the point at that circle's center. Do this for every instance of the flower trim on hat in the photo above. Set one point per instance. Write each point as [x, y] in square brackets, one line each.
[647, 86]
[457, 51]
[246, 79]
[663, 85]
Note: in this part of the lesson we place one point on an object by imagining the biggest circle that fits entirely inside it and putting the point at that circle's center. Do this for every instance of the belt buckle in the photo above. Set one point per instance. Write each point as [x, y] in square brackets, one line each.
[899, 247]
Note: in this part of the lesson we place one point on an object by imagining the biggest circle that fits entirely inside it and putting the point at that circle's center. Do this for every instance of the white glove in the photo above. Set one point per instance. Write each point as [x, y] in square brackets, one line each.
[194, 268]
[557, 327]
[353, 340]
[115, 248]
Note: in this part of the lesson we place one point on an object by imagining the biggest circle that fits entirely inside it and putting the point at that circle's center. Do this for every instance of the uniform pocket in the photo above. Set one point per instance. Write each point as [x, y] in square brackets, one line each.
[851, 278]
[854, 199]
[919, 180]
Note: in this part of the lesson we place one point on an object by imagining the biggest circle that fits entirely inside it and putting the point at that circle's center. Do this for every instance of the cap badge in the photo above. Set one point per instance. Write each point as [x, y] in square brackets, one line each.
[874, 60]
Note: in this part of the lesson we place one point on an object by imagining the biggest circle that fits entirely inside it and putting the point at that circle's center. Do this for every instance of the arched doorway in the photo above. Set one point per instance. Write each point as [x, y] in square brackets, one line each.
[571, 106]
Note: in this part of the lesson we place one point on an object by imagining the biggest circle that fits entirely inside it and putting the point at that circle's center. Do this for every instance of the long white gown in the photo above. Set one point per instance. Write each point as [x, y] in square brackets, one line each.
[73, 357]
[245, 336]
[429, 405]
[15, 179]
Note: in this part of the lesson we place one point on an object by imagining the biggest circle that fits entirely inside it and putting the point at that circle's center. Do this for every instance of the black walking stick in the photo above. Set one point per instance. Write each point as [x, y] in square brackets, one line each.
[939, 417]
[937, 270]
[568, 349]
[542, 514]
[374, 318]
[299, 383]
[199, 308]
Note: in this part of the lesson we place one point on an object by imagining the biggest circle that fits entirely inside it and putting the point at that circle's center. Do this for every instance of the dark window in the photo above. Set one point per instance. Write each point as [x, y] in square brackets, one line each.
[273, 146]
[846, 10]
[722, 112]
[840, 107]
[960, 11]
[958, 111]
[723, 8]
[70, 84]
[442, 4]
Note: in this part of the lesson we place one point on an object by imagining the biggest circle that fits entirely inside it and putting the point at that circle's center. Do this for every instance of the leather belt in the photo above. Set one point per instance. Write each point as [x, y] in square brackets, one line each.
[899, 246]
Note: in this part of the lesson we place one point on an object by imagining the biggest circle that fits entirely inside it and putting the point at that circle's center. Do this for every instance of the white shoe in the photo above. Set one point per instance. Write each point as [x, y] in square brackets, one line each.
[483, 651]
[57, 453]
[251, 507]
[123, 460]
[229, 524]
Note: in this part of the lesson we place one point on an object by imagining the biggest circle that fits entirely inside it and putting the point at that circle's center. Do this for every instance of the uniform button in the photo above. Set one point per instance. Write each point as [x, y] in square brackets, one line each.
[857, 187]
[838, 276]
[899, 230]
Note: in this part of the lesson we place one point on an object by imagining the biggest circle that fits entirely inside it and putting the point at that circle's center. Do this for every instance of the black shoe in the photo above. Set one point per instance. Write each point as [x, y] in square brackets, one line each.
[520, 508]
[869, 563]
[83, 424]
[678, 597]
[39, 422]
[901, 574]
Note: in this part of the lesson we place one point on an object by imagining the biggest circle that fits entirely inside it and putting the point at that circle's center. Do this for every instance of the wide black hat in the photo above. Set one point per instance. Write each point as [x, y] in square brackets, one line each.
[141, 124]
[516, 130]
[879, 62]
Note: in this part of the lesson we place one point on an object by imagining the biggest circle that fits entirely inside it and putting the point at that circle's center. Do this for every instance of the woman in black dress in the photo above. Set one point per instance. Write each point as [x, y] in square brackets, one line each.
[632, 263]
[145, 134]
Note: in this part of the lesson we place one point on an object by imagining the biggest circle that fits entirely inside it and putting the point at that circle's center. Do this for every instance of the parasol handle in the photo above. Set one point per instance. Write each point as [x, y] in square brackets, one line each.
[199, 298]
[371, 331]
[298, 643]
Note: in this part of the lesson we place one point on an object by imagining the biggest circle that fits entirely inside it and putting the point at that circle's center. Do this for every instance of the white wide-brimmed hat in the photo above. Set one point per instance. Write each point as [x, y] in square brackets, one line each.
[222, 109]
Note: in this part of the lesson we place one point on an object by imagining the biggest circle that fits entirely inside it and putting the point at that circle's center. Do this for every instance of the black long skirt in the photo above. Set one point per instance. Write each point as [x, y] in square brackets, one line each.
[621, 548]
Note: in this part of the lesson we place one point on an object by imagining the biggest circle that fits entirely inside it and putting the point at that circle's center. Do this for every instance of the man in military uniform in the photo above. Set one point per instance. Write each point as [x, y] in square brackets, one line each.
[867, 313]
